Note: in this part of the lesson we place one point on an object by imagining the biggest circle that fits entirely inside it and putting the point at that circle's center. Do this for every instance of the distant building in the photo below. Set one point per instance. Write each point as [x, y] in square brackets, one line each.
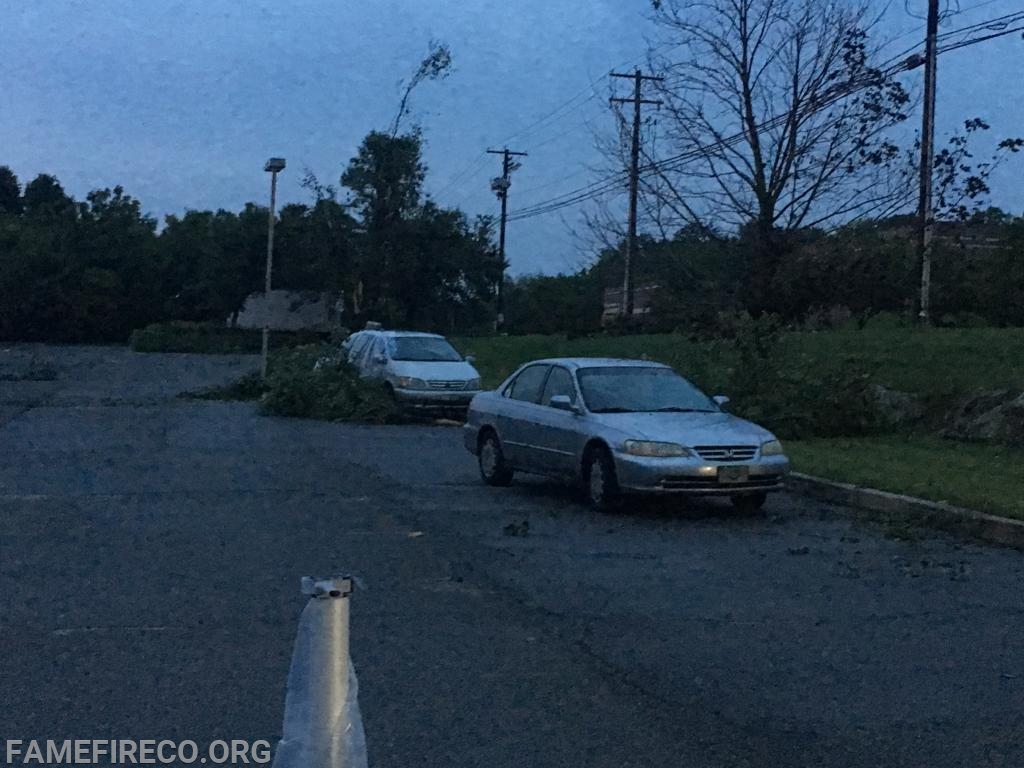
[614, 306]
[292, 311]
[969, 235]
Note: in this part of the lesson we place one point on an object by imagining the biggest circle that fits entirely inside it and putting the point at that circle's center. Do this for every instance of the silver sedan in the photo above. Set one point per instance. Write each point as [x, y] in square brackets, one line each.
[621, 426]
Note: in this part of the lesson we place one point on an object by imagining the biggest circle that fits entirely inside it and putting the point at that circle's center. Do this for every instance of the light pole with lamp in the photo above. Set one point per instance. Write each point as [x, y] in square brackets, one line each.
[273, 166]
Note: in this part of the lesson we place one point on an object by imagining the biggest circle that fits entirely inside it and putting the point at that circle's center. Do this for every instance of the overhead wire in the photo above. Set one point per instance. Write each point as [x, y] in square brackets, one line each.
[894, 65]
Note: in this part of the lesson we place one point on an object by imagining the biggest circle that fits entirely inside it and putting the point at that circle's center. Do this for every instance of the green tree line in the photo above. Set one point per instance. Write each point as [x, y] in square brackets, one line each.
[94, 270]
[705, 279]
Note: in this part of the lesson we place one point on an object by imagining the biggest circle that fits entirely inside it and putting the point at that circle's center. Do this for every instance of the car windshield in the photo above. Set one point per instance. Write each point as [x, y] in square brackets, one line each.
[623, 389]
[424, 349]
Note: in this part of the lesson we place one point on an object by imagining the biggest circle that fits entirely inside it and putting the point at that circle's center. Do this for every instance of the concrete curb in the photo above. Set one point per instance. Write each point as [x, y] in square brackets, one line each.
[933, 514]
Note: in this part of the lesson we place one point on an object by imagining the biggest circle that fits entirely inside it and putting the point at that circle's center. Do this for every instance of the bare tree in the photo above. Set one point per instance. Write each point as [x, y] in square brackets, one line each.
[778, 114]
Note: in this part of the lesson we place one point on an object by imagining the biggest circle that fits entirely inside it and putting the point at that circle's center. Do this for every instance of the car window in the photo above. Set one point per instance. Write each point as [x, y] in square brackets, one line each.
[423, 349]
[379, 347]
[357, 346]
[528, 384]
[640, 389]
[559, 383]
[366, 350]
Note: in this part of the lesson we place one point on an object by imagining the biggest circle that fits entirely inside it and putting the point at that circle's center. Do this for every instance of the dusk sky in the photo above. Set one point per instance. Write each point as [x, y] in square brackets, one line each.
[182, 101]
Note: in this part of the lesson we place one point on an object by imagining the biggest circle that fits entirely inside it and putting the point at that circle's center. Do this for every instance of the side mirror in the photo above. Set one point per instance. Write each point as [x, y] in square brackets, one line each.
[720, 400]
[470, 359]
[563, 403]
[380, 359]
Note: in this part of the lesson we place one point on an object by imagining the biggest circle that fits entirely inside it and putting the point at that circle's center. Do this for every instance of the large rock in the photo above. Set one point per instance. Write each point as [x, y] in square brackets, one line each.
[995, 416]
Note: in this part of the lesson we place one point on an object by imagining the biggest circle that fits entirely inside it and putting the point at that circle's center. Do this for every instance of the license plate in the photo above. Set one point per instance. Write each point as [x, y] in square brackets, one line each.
[733, 474]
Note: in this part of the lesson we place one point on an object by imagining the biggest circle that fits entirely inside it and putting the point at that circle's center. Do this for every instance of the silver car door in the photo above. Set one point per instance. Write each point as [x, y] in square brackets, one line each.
[518, 411]
[558, 434]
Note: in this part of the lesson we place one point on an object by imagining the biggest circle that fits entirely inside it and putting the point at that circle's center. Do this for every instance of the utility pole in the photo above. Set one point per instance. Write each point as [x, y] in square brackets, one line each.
[500, 187]
[925, 211]
[634, 183]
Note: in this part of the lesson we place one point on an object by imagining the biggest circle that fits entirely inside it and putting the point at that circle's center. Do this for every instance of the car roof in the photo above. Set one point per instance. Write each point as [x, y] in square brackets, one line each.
[577, 363]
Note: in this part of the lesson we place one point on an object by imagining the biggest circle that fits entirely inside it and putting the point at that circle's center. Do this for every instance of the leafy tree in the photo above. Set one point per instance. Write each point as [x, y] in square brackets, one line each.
[418, 264]
[315, 248]
[213, 261]
[116, 251]
[10, 192]
[45, 196]
[552, 304]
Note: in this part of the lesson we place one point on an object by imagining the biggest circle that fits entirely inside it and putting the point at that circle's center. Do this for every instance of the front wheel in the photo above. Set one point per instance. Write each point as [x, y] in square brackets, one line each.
[494, 469]
[749, 503]
[599, 480]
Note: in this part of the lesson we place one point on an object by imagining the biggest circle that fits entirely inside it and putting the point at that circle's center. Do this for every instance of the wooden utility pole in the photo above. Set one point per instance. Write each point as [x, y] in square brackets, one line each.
[500, 186]
[634, 183]
[925, 211]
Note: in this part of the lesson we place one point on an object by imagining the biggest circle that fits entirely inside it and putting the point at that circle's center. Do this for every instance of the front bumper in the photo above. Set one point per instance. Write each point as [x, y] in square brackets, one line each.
[430, 398]
[684, 475]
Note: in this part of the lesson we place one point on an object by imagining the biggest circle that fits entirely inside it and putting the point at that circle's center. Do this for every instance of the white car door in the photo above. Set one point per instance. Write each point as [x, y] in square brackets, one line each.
[376, 359]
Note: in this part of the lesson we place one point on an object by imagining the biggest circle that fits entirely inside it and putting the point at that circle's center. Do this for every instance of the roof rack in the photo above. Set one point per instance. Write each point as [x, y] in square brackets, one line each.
[372, 325]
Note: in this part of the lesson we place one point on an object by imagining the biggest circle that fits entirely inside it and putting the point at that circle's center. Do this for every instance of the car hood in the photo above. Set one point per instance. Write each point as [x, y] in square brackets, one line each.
[686, 428]
[458, 370]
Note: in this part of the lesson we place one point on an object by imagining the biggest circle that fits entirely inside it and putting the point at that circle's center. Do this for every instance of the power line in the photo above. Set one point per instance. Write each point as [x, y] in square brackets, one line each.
[469, 170]
[596, 188]
[590, 92]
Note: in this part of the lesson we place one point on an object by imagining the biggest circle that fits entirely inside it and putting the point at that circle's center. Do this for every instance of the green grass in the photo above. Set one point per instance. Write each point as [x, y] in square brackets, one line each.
[931, 362]
[987, 478]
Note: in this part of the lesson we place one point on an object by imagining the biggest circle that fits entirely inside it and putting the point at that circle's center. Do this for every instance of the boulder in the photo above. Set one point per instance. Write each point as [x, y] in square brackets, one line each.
[993, 416]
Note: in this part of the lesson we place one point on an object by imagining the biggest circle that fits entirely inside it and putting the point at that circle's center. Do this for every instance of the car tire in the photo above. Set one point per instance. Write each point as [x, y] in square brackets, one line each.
[494, 469]
[749, 503]
[600, 483]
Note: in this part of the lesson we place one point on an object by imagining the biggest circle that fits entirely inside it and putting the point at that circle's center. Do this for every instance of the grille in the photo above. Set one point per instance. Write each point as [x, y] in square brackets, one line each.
[449, 385]
[711, 483]
[726, 452]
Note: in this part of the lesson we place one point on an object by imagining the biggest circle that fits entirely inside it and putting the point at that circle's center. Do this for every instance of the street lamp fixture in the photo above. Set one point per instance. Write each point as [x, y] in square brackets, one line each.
[273, 166]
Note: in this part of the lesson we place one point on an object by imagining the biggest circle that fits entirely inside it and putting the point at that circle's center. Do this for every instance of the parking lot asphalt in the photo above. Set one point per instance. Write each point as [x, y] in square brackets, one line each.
[151, 547]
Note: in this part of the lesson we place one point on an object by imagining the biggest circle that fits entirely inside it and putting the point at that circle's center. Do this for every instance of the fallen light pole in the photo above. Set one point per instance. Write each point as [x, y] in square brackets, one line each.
[322, 724]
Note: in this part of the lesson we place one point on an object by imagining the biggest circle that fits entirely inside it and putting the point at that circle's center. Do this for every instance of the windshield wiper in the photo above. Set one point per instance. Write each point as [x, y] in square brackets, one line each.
[677, 409]
[613, 410]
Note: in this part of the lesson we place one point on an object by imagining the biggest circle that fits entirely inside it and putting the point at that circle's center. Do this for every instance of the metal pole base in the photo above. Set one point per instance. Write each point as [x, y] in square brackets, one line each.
[322, 724]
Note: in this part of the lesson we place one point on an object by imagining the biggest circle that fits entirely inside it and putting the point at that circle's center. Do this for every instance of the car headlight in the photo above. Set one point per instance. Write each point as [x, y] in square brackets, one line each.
[771, 448]
[651, 448]
[407, 382]
[474, 384]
